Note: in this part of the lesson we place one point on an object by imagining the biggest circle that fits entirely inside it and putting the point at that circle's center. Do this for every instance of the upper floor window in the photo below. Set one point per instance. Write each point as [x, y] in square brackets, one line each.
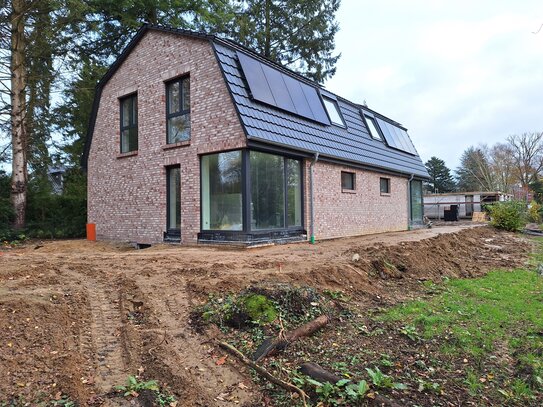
[129, 123]
[333, 111]
[178, 110]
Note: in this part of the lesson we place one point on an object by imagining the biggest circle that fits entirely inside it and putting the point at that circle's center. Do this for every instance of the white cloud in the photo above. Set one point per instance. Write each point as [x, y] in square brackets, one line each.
[455, 73]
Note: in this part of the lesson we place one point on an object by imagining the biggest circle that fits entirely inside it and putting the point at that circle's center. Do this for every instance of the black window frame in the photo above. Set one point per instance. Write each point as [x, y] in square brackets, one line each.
[381, 179]
[182, 111]
[367, 119]
[353, 176]
[246, 194]
[172, 232]
[338, 110]
[133, 124]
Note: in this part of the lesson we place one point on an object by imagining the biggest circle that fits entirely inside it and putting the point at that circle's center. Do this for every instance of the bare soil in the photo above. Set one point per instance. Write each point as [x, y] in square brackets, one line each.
[78, 317]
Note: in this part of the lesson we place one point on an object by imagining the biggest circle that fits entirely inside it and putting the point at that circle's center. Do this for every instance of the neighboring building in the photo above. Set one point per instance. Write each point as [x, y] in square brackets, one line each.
[467, 202]
[196, 138]
[56, 174]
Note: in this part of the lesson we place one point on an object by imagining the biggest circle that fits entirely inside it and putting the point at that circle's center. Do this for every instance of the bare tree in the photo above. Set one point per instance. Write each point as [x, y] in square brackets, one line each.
[527, 150]
[502, 165]
[475, 172]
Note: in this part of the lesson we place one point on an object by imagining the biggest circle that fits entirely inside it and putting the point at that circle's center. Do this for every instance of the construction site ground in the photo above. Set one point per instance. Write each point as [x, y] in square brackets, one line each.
[78, 317]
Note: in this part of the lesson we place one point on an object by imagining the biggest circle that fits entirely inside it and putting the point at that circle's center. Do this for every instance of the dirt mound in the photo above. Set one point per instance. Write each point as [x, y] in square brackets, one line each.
[78, 317]
[372, 269]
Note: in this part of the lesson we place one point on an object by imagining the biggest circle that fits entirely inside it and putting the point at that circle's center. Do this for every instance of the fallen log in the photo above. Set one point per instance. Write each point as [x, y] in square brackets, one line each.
[318, 373]
[272, 345]
[263, 372]
[322, 375]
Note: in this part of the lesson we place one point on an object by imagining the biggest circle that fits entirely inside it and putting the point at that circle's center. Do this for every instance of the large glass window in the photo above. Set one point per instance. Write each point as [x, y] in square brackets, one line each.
[173, 175]
[178, 110]
[272, 188]
[267, 191]
[294, 193]
[222, 191]
[416, 202]
[129, 123]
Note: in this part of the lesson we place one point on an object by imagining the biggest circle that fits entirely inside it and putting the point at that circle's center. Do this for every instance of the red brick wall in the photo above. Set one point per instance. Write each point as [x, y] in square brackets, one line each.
[127, 195]
[362, 211]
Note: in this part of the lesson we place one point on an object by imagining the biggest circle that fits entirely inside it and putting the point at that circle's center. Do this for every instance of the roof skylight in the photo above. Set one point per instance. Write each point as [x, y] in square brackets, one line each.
[333, 111]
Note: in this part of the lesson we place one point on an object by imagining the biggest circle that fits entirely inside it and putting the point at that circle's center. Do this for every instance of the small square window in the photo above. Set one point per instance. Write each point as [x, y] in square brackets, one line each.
[129, 123]
[333, 111]
[178, 110]
[348, 181]
[385, 185]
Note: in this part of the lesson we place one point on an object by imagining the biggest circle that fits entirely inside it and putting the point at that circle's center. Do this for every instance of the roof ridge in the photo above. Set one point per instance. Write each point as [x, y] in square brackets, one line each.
[232, 43]
[240, 47]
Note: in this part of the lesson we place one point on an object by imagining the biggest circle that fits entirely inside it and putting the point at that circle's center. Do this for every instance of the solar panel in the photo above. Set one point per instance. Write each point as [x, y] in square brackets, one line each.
[258, 84]
[278, 88]
[407, 139]
[396, 137]
[298, 97]
[401, 137]
[391, 140]
[273, 87]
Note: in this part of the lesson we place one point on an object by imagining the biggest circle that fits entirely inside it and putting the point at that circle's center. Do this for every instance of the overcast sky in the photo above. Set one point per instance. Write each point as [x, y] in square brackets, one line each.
[455, 73]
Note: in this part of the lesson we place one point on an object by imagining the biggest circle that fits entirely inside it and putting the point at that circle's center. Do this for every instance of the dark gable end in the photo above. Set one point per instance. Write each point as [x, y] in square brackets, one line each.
[277, 117]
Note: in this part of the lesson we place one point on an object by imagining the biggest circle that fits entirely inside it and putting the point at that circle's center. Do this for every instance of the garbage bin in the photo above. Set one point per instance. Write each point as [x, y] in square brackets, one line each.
[451, 215]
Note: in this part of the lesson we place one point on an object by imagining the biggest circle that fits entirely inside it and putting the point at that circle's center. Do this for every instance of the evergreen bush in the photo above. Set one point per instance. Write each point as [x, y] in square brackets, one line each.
[509, 215]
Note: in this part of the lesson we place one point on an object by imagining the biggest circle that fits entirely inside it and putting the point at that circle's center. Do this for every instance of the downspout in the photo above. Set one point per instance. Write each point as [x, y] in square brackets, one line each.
[312, 220]
[409, 201]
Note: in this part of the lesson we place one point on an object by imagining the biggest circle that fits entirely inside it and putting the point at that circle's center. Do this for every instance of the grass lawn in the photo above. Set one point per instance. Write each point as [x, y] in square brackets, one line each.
[495, 323]
[469, 342]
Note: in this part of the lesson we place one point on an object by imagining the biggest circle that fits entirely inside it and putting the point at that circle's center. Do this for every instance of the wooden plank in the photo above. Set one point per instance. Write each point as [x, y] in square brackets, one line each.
[479, 217]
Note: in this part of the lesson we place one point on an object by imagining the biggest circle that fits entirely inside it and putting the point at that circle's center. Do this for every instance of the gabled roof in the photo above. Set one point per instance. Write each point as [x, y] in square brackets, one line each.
[266, 124]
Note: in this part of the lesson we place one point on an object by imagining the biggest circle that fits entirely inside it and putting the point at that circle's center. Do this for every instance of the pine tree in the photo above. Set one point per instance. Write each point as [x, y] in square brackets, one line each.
[296, 33]
[111, 24]
[34, 36]
[441, 179]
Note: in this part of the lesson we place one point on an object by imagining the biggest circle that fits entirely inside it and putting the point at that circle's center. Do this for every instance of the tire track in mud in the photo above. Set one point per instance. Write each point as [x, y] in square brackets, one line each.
[101, 342]
[106, 328]
[186, 355]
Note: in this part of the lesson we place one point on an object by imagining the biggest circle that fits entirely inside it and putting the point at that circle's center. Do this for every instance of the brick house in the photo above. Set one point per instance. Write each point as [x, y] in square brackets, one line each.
[194, 138]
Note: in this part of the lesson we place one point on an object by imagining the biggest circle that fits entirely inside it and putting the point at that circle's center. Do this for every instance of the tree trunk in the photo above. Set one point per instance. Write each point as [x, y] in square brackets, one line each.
[322, 375]
[271, 345]
[267, 30]
[19, 177]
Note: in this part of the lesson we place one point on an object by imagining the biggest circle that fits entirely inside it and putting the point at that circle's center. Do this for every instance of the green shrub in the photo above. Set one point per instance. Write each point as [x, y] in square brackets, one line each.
[534, 212]
[510, 215]
[47, 215]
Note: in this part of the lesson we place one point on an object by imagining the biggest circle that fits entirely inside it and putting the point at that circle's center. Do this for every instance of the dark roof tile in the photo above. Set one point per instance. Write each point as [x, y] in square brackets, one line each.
[351, 144]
